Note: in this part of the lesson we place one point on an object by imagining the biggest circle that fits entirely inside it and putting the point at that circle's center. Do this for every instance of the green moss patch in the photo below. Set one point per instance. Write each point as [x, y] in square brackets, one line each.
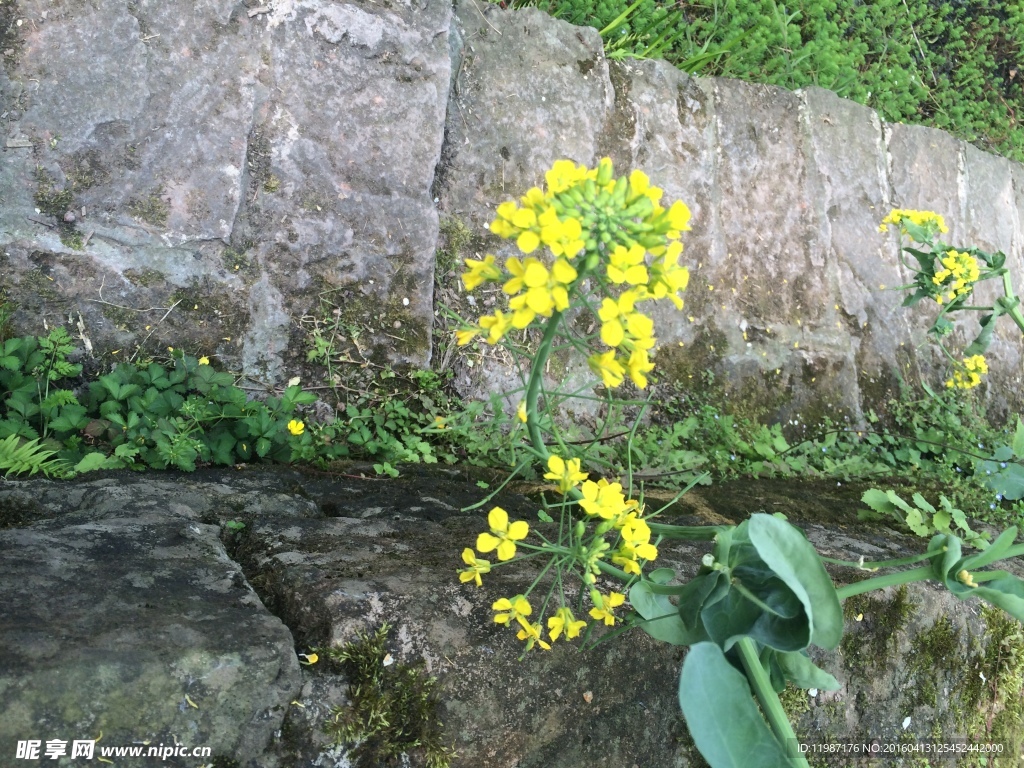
[393, 709]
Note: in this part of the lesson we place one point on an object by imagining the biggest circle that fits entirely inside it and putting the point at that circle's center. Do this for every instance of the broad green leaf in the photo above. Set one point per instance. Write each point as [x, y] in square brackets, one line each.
[923, 504]
[696, 593]
[720, 712]
[994, 552]
[1008, 480]
[779, 621]
[793, 558]
[1018, 439]
[878, 501]
[1007, 593]
[804, 673]
[941, 521]
[984, 338]
[916, 522]
[898, 502]
[661, 618]
[1003, 453]
[94, 461]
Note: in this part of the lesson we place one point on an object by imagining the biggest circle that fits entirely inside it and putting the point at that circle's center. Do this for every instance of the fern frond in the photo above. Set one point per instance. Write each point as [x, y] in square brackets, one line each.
[18, 458]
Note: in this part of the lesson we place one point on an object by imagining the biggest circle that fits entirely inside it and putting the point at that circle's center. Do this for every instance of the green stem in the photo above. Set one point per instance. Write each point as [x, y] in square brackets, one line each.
[533, 386]
[881, 582]
[687, 532]
[769, 700]
[874, 566]
[1014, 313]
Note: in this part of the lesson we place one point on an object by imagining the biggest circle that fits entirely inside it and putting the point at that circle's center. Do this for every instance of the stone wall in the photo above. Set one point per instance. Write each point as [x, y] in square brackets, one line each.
[203, 174]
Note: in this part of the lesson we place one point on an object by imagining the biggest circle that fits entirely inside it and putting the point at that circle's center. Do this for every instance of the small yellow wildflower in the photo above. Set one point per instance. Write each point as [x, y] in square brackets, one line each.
[531, 634]
[927, 219]
[637, 366]
[608, 368]
[521, 411]
[503, 536]
[614, 313]
[602, 610]
[476, 567]
[479, 272]
[603, 499]
[564, 621]
[967, 375]
[567, 473]
[296, 427]
[961, 271]
[626, 265]
[204, 360]
[509, 610]
[496, 325]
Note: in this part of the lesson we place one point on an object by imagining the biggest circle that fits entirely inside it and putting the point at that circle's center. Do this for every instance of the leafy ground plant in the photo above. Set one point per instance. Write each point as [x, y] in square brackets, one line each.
[951, 65]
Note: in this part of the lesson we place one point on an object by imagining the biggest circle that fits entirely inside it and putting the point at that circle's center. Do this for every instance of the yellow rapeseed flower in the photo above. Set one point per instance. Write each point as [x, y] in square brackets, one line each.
[603, 499]
[626, 265]
[503, 535]
[608, 368]
[564, 621]
[509, 610]
[476, 567]
[567, 473]
[602, 610]
[496, 325]
[967, 374]
[479, 272]
[531, 634]
[928, 219]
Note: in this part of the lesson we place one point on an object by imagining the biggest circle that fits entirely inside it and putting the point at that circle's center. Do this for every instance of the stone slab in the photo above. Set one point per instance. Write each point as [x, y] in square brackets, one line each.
[123, 616]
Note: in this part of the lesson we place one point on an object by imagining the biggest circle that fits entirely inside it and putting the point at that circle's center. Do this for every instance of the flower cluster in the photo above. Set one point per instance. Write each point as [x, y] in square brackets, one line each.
[614, 232]
[607, 507]
[928, 221]
[957, 277]
[967, 374]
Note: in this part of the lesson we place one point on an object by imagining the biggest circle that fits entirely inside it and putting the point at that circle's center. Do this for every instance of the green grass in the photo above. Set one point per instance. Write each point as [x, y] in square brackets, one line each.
[949, 65]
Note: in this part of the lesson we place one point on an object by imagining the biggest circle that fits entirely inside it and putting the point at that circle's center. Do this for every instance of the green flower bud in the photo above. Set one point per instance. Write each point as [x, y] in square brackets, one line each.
[641, 208]
[604, 171]
[589, 190]
[581, 528]
[619, 195]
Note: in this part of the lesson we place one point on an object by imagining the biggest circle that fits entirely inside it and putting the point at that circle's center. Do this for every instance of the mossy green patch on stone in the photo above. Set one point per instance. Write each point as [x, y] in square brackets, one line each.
[795, 701]
[11, 42]
[931, 650]
[454, 243]
[993, 697]
[50, 200]
[686, 365]
[144, 277]
[869, 641]
[152, 208]
[393, 710]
